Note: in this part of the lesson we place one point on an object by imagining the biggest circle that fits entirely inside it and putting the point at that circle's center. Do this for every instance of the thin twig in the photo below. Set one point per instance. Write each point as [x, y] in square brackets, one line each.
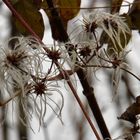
[82, 107]
[67, 77]
[7, 101]
[97, 66]
[130, 73]
[95, 7]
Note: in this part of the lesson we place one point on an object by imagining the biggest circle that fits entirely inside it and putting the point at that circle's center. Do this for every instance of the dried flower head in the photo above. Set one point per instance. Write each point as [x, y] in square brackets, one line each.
[54, 53]
[116, 62]
[39, 91]
[18, 58]
[113, 25]
[81, 53]
[89, 25]
[23, 75]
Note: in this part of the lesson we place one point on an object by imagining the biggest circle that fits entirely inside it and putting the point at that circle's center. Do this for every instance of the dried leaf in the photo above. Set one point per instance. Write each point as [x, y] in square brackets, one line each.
[67, 9]
[116, 5]
[126, 136]
[69, 12]
[28, 9]
[131, 112]
[134, 14]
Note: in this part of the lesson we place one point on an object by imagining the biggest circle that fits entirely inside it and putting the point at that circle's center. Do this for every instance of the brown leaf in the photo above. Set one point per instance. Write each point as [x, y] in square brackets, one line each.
[66, 9]
[116, 5]
[28, 9]
[134, 14]
[131, 112]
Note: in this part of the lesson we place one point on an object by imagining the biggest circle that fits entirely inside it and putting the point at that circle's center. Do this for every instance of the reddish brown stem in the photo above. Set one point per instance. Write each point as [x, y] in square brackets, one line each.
[67, 77]
[83, 109]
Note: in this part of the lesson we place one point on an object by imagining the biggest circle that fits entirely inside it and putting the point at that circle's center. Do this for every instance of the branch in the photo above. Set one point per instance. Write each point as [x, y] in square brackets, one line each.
[130, 73]
[89, 93]
[58, 31]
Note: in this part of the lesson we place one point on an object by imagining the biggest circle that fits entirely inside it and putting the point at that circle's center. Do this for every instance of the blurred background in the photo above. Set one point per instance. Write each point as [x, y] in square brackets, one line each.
[75, 126]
